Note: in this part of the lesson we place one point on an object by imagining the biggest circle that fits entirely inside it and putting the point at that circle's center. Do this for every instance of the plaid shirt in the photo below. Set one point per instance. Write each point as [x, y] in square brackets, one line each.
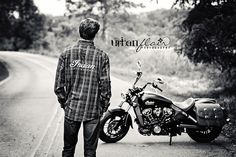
[82, 81]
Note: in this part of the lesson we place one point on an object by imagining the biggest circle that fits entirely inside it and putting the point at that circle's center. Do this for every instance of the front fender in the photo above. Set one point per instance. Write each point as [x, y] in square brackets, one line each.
[120, 111]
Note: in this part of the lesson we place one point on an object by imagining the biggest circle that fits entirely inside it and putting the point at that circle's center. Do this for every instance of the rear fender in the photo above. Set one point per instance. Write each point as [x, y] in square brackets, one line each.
[128, 119]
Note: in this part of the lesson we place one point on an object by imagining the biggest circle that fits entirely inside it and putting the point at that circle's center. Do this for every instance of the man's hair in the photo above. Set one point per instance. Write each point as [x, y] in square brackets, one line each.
[88, 28]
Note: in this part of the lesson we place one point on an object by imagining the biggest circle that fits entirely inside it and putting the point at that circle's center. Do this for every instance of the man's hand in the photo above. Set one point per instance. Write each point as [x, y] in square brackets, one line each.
[62, 102]
[105, 104]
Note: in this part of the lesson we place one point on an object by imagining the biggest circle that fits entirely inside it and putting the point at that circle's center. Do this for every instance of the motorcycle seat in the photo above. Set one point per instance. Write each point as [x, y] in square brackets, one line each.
[185, 105]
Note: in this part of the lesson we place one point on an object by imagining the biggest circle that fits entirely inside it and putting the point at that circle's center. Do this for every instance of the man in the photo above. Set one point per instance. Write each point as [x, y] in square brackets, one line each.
[83, 89]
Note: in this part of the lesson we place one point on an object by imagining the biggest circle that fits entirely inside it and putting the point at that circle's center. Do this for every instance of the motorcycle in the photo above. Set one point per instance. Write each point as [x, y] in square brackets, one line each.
[201, 118]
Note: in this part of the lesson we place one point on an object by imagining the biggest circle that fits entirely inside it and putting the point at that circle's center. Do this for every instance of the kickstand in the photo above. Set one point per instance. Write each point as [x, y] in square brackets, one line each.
[170, 142]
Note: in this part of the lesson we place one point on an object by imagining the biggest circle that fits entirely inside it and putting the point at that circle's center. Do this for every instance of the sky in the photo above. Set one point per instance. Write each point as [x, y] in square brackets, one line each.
[57, 7]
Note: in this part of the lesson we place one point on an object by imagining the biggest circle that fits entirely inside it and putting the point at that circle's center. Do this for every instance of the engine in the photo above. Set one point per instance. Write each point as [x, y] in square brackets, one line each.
[155, 120]
[156, 115]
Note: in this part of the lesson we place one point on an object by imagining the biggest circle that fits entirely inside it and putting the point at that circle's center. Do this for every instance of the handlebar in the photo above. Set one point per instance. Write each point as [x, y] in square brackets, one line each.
[139, 74]
[153, 85]
[156, 86]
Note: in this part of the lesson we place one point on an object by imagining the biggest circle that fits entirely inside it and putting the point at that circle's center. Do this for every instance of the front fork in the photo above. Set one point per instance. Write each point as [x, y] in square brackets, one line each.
[134, 103]
[127, 118]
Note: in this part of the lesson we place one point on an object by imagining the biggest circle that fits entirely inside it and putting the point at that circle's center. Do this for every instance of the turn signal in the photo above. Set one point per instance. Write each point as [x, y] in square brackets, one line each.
[123, 96]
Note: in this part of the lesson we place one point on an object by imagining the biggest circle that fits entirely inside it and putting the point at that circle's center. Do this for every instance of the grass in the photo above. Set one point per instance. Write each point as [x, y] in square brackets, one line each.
[3, 70]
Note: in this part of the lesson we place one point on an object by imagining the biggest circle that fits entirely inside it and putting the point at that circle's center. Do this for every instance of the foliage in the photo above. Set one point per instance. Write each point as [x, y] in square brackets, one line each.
[175, 69]
[3, 68]
[211, 36]
[21, 25]
[99, 9]
[62, 31]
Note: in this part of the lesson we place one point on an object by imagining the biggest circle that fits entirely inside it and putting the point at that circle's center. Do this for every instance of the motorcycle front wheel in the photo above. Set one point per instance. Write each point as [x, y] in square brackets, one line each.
[113, 127]
[204, 135]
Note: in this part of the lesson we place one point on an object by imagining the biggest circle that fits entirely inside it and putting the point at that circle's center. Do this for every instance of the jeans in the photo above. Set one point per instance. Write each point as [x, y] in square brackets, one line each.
[91, 134]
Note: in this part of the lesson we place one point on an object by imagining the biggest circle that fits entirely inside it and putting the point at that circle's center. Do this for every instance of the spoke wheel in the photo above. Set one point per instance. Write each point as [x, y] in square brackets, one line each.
[113, 127]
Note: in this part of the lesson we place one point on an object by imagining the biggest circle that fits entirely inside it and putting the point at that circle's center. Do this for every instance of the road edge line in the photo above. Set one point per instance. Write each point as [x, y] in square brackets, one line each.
[45, 132]
[55, 134]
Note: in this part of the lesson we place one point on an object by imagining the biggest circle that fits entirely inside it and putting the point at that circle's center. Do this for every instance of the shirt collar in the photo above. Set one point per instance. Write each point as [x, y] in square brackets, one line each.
[87, 42]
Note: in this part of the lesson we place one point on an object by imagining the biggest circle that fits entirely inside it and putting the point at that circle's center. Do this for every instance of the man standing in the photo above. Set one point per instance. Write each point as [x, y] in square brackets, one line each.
[83, 89]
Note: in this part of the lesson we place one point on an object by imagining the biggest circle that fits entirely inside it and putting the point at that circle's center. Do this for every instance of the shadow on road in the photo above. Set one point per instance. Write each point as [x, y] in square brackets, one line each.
[190, 144]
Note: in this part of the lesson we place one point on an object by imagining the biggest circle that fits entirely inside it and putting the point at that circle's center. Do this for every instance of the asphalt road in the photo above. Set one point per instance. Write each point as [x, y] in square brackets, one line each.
[31, 122]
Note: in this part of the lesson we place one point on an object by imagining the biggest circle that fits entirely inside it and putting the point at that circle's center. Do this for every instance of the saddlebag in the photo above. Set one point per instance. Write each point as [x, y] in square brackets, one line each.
[209, 113]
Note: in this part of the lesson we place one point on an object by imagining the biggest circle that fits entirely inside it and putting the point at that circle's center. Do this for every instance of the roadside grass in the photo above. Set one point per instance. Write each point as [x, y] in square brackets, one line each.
[180, 75]
[3, 70]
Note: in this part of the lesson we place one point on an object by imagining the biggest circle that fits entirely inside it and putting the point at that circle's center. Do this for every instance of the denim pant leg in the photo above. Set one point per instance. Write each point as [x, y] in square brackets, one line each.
[71, 129]
[91, 134]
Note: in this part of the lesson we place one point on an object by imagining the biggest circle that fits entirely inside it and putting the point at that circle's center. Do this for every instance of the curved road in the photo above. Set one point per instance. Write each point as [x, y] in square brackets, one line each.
[31, 122]
[27, 102]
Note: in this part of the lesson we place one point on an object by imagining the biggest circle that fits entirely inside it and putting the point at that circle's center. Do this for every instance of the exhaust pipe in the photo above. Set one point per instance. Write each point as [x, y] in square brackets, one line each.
[188, 126]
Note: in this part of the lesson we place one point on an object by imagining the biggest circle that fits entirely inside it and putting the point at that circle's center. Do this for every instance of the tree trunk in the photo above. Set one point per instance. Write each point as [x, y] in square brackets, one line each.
[104, 20]
[104, 27]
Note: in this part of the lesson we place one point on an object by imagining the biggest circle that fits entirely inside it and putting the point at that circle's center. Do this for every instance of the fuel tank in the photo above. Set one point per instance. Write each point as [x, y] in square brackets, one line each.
[151, 98]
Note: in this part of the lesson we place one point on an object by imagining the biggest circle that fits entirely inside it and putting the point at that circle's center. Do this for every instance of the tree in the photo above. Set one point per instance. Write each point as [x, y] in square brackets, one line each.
[21, 25]
[211, 34]
[99, 9]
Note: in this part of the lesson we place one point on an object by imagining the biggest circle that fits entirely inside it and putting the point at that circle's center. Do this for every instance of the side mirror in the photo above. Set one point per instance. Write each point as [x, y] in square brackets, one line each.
[159, 80]
[139, 73]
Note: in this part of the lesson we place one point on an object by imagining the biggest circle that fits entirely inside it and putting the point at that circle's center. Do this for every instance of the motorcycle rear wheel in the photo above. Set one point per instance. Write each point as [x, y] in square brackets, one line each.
[113, 127]
[205, 135]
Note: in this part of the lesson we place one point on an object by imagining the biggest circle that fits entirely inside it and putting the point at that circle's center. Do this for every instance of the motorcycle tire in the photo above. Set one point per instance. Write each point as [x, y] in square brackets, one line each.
[116, 128]
[204, 136]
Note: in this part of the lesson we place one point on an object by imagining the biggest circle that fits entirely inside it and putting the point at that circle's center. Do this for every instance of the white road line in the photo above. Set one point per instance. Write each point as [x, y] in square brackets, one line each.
[43, 66]
[45, 132]
[55, 133]
[54, 113]
[52, 118]
[5, 80]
